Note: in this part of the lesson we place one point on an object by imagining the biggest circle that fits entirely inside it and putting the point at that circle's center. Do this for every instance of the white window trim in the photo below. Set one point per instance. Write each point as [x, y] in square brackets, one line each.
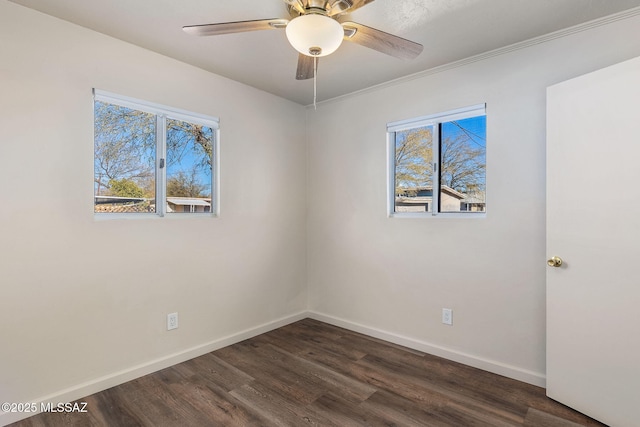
[162, 113]
[430, 120]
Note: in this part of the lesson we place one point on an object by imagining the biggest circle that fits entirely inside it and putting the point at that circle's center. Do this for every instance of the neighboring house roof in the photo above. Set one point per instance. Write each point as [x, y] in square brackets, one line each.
[133, 208]
[185, 201]
[477, 198]
[450, 191]
[116, 199]
[416, 200]
[116, 204]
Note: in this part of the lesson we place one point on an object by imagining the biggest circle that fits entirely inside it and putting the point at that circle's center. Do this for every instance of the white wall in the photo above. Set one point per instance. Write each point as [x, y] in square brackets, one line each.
[391, 277]
[84, 302]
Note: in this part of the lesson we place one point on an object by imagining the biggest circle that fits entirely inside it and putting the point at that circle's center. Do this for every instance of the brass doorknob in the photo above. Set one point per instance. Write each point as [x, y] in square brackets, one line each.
[555, 261]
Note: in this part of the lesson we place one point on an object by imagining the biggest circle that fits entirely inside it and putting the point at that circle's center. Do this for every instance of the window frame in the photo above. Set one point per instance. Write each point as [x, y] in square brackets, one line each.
[163, 113]
[434, 120]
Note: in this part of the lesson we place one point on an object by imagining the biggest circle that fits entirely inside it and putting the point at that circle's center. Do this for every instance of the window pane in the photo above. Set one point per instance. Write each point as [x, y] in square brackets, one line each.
[413, 170]
[124, 160]
[463, 150]
[189, 160]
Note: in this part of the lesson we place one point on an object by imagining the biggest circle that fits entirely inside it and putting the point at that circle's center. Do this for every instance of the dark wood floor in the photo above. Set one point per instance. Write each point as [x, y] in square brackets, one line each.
[311, 373]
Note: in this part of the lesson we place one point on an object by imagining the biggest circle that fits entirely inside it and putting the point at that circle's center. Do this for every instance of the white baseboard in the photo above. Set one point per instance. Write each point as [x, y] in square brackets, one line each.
[111, 380]
[499, 368]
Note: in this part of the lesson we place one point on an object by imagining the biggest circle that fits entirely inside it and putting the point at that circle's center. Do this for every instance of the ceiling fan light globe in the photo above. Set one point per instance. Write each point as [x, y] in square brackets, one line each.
[309, 32]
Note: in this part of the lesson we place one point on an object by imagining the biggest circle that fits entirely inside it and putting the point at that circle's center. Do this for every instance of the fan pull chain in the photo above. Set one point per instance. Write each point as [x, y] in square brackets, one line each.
[315, 81]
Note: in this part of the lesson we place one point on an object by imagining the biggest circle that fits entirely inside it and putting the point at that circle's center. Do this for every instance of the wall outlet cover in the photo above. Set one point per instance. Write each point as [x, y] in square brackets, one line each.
[447, 316]
[172, 321]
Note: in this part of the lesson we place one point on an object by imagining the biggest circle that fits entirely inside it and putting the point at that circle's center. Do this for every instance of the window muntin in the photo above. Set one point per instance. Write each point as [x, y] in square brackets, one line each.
[446, 152]
[152, 159]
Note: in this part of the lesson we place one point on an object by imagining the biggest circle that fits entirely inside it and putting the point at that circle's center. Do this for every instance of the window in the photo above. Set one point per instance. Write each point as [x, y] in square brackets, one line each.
[151, 159]
[446, 152]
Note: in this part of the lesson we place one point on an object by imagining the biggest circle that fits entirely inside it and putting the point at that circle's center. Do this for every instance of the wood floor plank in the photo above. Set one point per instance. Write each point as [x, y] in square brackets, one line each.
[327, 379]
[404, 412]
[153, 401]
[537, 418]
[306, 344]
[105, 409]
[476, 415]
[206, 402]
[267, 366]
[276, 409]
[345, 413]
[315, 374]
[216, 371]
[413, 383]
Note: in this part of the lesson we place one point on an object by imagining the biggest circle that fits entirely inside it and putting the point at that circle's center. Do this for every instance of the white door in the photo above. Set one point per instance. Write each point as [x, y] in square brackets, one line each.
[593, 225]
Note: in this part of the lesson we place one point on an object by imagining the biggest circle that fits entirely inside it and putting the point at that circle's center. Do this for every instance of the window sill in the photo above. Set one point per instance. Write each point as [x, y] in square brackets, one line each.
[442, 215]
[151, 216]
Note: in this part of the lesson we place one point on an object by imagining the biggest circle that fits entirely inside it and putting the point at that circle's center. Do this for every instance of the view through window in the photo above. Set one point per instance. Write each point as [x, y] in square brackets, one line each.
[152, 159]
[446, 152]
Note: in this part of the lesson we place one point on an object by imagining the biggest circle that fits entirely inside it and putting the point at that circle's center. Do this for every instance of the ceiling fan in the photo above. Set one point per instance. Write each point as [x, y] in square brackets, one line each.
[317, 28]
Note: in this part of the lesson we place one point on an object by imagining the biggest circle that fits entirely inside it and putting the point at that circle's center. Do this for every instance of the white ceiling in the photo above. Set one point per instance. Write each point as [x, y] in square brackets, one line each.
[450, 30]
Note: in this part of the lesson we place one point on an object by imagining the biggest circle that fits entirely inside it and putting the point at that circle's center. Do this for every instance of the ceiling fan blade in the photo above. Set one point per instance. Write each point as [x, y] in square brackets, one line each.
[235, 27]
[381, 41]
[305, 67]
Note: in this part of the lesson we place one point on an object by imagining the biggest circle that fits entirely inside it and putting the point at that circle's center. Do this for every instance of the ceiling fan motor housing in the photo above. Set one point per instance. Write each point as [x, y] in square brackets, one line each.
[325, 7]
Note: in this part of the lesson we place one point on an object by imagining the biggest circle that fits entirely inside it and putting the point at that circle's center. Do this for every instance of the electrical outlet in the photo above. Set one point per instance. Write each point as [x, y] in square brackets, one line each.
[447, 316]
[172, 321]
